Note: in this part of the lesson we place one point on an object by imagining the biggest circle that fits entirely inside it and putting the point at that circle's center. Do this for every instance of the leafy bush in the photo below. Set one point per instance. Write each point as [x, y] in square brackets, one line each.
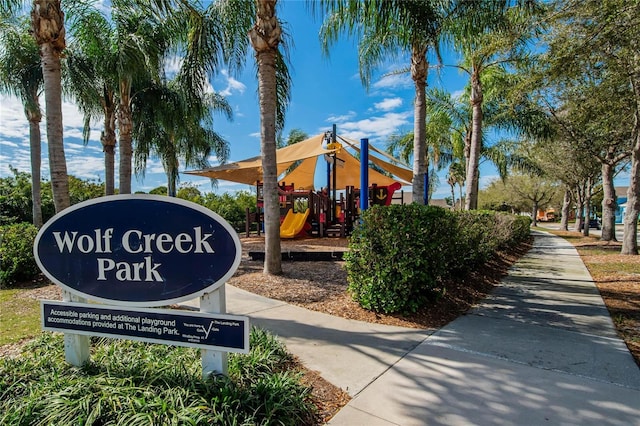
[15, 198]
[401, 256]
[16, 204]
[231, 207]
[473, 240]
[17, 262]
[136, 383]
[398, 256]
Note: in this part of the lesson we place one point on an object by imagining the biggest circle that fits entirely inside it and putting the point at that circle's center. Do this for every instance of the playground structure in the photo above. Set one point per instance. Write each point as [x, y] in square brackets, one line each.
[333, 210]
[311, 213]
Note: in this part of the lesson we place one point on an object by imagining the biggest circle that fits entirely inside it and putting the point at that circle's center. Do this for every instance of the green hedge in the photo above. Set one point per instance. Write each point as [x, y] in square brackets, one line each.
[17, 262]
[401, 256]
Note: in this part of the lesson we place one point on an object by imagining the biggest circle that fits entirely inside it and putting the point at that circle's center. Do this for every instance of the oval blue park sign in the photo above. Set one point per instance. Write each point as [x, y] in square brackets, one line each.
[138, 250]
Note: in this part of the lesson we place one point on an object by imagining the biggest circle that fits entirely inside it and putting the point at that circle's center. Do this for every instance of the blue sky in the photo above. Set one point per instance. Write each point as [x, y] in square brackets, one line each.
[325, 91]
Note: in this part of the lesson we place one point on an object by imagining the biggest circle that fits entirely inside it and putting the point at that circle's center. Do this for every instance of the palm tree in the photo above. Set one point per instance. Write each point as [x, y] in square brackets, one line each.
[265, 38]
[487, 33]
[387, 28]
[168, 125]
[224, 36]
[439, 138]
[91, 79]
[21, 75]
[47, 23]
[456, 176]
[138, 43]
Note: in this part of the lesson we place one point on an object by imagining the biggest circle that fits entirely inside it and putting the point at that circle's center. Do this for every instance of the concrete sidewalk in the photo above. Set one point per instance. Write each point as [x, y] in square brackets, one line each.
[541, 349]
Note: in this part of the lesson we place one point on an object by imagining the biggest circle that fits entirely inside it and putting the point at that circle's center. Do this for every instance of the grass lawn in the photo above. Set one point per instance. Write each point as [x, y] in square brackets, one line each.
[19, 316]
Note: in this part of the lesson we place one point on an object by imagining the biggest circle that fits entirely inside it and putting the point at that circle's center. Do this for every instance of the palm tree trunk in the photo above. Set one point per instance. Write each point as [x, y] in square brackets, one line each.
[171, 183]
[35, 147]
[48, 28]
[265, 38]
[471, 202]
[609, 204]
[125, 139]
[453, 196]
[419, 70]
[108, 140]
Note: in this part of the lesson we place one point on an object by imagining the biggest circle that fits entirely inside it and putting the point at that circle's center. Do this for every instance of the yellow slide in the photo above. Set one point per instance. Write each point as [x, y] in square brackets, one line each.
[293, 223]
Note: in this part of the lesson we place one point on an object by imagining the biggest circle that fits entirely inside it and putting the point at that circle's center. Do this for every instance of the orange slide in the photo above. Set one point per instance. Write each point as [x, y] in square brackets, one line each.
[293, 223]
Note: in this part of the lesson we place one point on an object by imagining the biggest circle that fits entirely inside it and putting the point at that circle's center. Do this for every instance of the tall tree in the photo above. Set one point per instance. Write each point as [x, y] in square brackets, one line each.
[440, 139]
[258, 19]
[487, 33]
[592, 100]
[91, 79]
[21, 75]
[537, 191]
[605, 36]
[265, 37]
[47, 23]
[456, 176]
[387, 29]
[138, 44]
[168, 125]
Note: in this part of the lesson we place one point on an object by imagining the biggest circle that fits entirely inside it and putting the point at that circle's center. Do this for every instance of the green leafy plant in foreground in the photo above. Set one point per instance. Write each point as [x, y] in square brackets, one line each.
[132, 383]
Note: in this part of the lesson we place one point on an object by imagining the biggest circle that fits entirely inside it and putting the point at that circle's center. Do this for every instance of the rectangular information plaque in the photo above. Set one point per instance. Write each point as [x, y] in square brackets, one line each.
[220, 332]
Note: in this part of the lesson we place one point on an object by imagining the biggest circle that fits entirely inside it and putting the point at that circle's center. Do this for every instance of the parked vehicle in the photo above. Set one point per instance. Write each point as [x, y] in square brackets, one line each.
[593, 223]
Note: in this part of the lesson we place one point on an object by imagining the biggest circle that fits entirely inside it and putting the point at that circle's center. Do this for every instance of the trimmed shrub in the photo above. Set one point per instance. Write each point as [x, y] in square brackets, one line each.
[17, 262]
[473, 240]
[398, 256]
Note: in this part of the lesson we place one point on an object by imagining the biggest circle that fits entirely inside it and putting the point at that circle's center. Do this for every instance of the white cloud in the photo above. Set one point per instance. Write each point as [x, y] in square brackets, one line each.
[172, 65]
[104, 6]
[458, 94]
[86, 167]
[12, 119]
[8, 143]
[485, 181]
[376, 127]
[154, 166]
[341, 118]
[232, 85]
[19, 159]
[393, 81]
[388, 104]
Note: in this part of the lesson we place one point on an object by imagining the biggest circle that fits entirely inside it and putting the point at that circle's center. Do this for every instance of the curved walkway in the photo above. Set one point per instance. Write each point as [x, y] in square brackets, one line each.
[541, 349]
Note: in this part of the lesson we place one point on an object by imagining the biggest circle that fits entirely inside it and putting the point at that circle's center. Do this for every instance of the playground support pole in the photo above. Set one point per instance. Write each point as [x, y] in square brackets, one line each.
[334, 202]
[426, 188]
[328, 188]
[364, 174]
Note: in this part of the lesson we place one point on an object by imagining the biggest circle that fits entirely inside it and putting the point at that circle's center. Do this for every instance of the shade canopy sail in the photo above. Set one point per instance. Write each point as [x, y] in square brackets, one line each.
[306, 152]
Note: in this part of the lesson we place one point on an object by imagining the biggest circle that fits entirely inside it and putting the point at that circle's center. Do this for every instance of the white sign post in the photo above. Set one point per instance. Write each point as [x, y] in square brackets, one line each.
[214, 361]
[76, 346]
